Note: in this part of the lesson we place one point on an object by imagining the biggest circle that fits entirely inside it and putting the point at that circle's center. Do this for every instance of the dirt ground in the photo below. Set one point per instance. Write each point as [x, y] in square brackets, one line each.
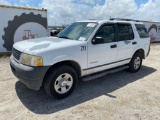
[118, 96]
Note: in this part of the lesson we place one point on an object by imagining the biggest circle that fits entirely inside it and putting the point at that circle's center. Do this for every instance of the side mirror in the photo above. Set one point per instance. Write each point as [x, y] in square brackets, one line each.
[97, 40]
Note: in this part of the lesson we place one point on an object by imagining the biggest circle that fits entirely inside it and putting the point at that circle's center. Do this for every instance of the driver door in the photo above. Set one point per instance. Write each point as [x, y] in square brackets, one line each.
[103, 55]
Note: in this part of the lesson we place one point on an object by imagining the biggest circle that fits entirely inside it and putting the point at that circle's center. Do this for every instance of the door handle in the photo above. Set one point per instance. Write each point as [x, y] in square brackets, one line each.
[113, 46]
[134, 43]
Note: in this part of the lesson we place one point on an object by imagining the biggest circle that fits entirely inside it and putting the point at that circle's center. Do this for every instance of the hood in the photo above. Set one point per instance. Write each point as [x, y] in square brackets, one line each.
[39, 44]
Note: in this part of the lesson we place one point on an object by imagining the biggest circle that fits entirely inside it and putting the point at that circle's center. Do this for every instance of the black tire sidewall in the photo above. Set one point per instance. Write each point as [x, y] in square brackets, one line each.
[55, 74]
[131, 64]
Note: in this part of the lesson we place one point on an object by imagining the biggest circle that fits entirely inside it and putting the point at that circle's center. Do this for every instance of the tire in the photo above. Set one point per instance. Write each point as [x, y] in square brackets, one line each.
[60, 81]
[13, 25]
[135, 63]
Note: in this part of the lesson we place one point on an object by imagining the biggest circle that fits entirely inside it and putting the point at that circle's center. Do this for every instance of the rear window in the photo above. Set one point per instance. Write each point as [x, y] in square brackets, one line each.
[125, 32]
[142, 31]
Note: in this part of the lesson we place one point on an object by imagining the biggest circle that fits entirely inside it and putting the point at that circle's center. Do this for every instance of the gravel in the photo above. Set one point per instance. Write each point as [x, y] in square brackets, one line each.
[118, 96]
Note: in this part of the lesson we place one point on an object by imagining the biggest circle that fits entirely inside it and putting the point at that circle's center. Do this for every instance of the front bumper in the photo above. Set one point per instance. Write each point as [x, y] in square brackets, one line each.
[32, 77]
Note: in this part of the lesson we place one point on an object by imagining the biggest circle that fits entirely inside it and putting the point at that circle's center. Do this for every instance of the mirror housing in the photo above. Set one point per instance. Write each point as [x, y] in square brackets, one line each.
[97, 40]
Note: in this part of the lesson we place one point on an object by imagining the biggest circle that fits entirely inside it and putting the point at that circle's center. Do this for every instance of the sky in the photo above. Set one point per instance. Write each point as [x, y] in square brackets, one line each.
[63, 12]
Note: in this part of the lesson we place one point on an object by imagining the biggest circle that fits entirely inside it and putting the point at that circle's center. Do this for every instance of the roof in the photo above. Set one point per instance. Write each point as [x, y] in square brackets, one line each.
[111, 21]
[124, 19]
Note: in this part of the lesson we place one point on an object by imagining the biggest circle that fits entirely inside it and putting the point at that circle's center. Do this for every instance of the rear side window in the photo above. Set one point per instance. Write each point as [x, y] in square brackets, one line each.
[125, 32]
[142, 31]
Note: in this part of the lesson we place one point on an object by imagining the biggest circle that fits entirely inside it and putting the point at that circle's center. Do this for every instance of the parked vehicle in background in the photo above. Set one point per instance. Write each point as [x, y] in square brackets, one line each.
[53, 32]
[85, 49]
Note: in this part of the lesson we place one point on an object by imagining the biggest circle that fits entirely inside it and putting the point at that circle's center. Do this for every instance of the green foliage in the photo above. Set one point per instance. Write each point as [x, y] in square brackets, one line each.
[59, 29]
[4, 55]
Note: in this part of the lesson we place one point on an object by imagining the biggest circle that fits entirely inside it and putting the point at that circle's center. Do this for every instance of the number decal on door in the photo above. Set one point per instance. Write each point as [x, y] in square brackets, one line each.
[83, 48]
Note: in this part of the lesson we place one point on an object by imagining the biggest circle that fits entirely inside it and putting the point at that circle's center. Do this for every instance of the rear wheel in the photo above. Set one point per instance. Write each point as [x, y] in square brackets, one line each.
[136, 63]
[61, 81]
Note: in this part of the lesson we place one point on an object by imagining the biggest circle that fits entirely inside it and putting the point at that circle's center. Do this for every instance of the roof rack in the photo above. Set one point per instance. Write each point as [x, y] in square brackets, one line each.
[123, 19]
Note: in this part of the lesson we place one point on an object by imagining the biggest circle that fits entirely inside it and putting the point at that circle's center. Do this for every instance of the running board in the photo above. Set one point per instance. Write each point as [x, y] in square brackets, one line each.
[95, 76]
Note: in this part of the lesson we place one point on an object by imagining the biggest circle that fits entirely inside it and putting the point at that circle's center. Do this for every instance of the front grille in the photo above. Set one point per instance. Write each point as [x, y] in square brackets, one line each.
[16, 54]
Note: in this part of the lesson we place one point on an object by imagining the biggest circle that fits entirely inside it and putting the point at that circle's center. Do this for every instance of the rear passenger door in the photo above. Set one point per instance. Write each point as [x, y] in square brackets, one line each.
[126, 42]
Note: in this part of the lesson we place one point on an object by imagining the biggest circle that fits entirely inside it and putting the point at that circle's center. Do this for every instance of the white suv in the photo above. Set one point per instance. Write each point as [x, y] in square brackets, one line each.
[85, 49]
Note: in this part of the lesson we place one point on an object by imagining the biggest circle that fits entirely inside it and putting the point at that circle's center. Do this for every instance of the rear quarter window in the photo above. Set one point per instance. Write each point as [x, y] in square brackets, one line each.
[142, 31]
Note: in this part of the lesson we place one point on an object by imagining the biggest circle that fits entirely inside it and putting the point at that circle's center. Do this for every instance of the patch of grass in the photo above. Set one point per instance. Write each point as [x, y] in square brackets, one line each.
[5, 55]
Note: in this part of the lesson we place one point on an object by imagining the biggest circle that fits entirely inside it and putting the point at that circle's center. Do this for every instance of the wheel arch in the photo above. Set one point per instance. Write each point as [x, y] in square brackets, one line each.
[70, 63]
[141, 51]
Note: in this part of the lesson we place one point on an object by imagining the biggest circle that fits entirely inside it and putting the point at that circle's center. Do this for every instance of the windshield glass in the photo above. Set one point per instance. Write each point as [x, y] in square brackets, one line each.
[78, 31]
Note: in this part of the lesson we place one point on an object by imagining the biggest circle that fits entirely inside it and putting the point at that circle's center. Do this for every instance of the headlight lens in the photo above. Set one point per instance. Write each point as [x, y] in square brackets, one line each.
[31, 60]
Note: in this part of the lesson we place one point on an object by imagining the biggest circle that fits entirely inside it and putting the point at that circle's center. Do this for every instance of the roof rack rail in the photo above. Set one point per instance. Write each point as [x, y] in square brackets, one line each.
[123, 19]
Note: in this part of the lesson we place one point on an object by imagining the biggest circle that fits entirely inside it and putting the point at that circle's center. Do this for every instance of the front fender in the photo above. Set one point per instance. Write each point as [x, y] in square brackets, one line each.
[60, 58]
[64, 58]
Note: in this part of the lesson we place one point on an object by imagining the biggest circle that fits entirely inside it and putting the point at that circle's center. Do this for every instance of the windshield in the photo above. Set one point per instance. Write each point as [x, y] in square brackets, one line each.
[78, 31]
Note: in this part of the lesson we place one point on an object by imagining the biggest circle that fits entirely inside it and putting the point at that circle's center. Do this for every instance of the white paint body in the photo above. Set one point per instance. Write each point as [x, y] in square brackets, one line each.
[54, 50]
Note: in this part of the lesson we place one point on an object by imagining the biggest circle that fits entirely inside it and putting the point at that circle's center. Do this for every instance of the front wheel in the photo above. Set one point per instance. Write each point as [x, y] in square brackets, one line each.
[61, 81]
[135, 63]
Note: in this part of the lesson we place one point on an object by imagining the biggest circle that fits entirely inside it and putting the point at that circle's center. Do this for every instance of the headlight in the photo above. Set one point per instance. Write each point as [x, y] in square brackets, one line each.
[31, 60]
